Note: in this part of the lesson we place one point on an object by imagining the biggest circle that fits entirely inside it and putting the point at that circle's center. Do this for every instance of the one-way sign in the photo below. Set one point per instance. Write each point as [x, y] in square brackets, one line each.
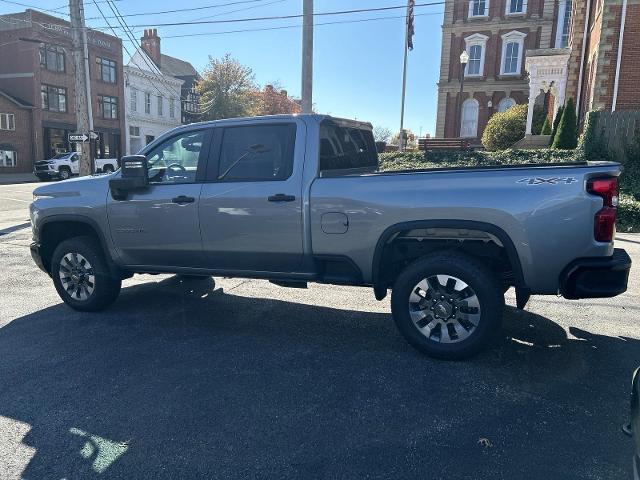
[78, 137]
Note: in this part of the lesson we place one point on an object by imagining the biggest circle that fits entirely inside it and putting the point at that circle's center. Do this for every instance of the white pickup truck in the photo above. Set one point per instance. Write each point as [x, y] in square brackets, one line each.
[64, 165]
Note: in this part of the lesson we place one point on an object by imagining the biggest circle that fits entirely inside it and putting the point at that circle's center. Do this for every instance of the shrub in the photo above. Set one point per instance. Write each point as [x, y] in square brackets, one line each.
[628, 218]
[567, 135]
[505, 128]
[556, 122]
[537, 121]
[546, 128]
[630, 178]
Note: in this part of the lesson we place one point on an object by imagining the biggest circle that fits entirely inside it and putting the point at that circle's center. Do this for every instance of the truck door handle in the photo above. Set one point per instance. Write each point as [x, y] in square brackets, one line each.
[182, 199]
[281, 197]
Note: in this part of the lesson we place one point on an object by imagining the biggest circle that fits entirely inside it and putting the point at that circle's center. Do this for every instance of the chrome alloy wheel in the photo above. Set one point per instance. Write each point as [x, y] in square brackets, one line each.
[444, 308]
[77, 277]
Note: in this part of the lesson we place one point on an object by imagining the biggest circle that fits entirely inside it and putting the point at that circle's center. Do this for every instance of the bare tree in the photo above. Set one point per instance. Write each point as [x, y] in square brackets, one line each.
[381, 134]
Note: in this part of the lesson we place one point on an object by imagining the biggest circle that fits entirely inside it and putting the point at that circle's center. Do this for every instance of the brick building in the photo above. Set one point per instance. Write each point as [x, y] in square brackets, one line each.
[496, 34]
[595, 61]
[539, 52]
[36, 67]
[16, 134]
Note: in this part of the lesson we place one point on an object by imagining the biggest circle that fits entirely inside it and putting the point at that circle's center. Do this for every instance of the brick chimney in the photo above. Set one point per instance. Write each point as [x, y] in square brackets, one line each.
[151, 44]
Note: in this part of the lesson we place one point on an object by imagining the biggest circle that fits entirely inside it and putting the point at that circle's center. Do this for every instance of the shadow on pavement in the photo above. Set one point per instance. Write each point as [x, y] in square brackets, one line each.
[181, 380]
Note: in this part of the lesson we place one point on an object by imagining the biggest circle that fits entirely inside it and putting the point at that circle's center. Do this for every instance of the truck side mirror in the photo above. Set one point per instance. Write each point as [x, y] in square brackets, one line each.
[134, 175]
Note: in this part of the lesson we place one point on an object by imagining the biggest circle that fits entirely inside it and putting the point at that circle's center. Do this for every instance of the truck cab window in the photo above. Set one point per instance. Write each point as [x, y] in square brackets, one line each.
[257, 152]
[176, 160]
[346, 148]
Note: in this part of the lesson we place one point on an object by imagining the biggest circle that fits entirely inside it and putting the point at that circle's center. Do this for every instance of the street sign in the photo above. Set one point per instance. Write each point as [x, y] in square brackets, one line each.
[78, 137]
[93, 135]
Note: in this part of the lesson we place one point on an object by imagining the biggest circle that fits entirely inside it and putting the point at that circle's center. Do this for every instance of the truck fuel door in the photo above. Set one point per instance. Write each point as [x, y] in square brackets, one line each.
[334, 223]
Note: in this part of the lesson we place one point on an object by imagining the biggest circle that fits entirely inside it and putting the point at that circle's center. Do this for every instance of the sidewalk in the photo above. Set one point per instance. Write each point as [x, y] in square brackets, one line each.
[12, 178]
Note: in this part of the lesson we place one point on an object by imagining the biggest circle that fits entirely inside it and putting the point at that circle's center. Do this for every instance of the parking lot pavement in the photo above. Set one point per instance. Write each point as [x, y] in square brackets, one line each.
[244, 379]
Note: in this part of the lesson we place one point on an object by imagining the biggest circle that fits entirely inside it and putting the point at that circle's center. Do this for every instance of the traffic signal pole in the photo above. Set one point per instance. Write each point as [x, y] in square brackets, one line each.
[83, 108]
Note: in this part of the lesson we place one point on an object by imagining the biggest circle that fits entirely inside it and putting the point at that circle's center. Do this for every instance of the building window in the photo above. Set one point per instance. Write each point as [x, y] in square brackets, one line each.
[160, 101]
[147, 103]
[7, 121]
[8, 158]
[133, 101]
[515, 7]
[505, 104]
[478, 8]
[134, 131]
[191, 102]
[54, 99]
[52, 58]
[563, 27]
[475, 45]
[107, 106]
[512, 48]
[469, 124]
[172, 107]
[106, 70]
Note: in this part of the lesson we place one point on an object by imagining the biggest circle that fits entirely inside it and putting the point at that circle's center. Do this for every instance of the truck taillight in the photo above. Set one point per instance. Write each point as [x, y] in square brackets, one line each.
[605, 220]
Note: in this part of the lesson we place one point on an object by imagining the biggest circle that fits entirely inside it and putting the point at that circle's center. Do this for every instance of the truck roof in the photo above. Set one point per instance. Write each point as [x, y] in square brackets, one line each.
[311, 116]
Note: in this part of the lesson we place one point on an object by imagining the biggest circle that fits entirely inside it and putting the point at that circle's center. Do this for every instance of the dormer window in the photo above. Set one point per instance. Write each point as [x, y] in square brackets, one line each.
[478, 8]
[516, 7]
[475, 45]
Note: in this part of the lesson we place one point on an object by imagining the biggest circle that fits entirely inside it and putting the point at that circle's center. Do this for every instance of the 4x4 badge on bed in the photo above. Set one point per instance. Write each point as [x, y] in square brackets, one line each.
[550, 181]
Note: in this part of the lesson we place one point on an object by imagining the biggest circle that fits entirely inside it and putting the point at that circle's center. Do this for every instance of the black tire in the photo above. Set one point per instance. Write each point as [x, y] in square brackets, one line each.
[64, 173]
[106, 287]
[485, 284]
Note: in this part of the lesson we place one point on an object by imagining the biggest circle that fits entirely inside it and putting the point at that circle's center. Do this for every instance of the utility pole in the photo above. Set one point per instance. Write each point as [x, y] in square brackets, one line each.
[84, 112]
[307, 56]
[401, 140]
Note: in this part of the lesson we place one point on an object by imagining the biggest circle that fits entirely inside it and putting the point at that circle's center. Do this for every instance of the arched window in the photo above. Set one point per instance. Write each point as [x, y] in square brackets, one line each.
[512, 50]
[506, 104]
[469, 124]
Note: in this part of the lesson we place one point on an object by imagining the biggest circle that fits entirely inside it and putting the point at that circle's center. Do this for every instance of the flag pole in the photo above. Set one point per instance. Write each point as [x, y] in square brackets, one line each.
[404, 80]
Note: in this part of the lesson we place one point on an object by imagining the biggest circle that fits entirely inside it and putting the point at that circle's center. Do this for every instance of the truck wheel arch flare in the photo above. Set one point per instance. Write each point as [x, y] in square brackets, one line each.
[522, 292]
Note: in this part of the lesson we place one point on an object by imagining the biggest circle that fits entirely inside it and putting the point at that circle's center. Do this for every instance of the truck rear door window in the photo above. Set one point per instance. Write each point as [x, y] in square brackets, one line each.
[257, 152]
[346, 148]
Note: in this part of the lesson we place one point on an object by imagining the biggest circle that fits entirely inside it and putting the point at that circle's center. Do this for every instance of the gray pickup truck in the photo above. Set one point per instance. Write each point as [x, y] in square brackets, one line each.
[297, 199]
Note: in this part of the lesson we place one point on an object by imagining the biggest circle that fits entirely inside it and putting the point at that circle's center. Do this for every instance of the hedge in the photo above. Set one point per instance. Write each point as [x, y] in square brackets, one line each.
[505, 128]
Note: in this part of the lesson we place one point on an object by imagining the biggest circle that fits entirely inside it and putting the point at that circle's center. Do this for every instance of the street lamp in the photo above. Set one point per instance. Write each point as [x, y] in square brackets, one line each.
[464, 59]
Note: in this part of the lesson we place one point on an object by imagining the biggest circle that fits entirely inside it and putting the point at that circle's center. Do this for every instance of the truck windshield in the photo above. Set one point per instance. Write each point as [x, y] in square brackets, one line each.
[346, 148]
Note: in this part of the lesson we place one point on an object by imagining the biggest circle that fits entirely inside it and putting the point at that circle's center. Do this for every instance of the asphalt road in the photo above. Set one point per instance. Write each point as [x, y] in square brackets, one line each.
[243, 379]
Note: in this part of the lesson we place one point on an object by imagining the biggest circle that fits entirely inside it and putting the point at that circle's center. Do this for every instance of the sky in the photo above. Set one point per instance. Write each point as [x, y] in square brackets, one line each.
[357, 66]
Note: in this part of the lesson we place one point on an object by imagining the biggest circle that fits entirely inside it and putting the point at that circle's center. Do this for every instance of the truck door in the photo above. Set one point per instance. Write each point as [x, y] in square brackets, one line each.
[159, 226]
[251, 205]
[74, 163]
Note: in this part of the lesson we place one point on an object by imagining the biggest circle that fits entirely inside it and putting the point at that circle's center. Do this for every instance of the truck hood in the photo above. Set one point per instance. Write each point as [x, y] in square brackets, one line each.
[43, 162]
[74, 186]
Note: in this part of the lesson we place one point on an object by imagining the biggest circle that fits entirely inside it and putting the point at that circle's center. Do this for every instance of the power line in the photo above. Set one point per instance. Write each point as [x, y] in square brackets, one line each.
[283, 27]
[280, 17]
[134, 42]
[34, 7]
[66, 5]
[179, 10]
[240, 10]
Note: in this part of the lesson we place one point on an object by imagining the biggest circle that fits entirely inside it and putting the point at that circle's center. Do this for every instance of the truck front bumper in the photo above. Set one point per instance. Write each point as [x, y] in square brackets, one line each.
[596, 277]
[37, 257]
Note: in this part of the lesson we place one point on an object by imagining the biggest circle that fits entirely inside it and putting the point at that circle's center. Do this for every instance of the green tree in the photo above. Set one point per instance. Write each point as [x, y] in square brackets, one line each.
[546, 128]
[567, 135]
[505, 128]
[539, 114]
[227, 89]
[556, 122]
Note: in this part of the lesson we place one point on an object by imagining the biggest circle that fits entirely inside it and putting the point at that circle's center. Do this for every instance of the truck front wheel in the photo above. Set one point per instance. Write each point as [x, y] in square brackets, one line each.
[64, 173]
[448, 305]
[81, 275]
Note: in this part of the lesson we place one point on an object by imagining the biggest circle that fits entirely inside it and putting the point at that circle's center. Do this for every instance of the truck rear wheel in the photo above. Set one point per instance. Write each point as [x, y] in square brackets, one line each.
[447, 305]
[81, 275]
